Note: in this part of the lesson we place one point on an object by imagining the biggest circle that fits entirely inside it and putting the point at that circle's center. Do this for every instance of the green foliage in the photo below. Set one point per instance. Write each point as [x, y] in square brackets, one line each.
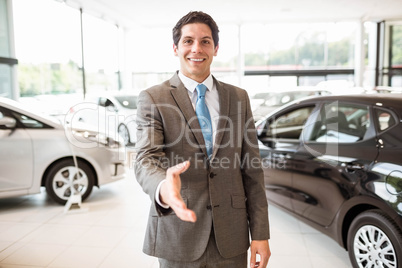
[48, 78]
[339, 53]
[255, 59]
[397, 45]
[310, 53]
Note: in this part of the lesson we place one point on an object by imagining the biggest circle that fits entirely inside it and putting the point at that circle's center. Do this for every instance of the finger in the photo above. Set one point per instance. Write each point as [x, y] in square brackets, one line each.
[264, 261]
[176, 202]
[179, 168]
[252, 259]
[181, 210]
[186, 215]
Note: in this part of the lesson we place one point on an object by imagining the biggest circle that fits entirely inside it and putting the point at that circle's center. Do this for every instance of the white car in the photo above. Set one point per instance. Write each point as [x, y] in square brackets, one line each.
[38, 151]
[109, 112]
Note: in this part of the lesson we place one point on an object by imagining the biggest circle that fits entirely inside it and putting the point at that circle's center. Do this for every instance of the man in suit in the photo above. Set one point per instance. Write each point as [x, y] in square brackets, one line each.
[207, 191]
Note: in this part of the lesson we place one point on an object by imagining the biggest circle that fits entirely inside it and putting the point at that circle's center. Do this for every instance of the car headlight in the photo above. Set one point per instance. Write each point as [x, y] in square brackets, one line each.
[107, 141]
[91, 136]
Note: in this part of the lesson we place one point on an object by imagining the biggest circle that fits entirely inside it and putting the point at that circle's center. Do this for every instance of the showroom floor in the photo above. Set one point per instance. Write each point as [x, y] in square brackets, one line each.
[108, 232]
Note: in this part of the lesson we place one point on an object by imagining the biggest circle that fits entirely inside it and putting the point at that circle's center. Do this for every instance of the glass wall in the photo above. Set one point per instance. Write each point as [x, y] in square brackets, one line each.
[286, 48]
[152, 60]
[255, 56]
[100, 55]
[389, 64]
[4, 30]
[150, 56]
[396, 55]
[6, 69]
[49, 49]
[47, 44]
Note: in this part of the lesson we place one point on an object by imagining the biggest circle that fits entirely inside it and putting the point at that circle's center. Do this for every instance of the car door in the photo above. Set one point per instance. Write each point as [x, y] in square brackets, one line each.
[16, 155]
[279, 140]
[339, 145]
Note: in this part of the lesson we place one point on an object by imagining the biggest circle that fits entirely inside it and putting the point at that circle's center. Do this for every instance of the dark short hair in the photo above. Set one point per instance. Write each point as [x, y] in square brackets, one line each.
[196, 17]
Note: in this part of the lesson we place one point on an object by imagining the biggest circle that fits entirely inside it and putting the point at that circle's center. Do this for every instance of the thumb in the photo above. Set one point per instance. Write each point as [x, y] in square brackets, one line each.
[252, 258]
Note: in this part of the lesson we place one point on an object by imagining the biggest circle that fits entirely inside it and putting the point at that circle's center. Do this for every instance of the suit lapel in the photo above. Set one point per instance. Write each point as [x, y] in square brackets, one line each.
[180, 94]
[223, 116]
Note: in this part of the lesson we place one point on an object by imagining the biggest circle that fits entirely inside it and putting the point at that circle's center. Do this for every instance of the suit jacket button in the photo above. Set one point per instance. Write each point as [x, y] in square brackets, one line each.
[212, 175]
[209, 207]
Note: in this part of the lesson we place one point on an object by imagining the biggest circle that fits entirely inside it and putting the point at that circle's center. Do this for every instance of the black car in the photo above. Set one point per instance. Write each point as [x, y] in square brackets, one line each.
[335, 162]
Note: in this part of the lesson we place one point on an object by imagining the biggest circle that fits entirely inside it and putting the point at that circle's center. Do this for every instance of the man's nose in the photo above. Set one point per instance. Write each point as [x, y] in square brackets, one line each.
[196, 47]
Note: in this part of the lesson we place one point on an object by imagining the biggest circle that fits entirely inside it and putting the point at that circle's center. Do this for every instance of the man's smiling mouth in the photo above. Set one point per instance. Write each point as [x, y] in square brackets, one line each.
[197, 60]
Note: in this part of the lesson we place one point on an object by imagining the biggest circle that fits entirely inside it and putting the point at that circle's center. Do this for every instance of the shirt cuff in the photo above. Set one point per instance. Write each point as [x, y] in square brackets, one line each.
[157, 199]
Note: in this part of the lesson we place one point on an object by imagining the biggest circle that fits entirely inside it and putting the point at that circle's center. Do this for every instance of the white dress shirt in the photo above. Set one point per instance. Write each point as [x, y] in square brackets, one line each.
[211, 98]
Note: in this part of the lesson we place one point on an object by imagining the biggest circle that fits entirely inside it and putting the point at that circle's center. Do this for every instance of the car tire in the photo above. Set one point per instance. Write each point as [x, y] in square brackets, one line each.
[374, 241]
[62, 175]
[124, 133]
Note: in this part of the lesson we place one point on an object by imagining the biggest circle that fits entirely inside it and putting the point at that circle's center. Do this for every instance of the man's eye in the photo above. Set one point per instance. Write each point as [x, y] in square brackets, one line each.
[187, 41]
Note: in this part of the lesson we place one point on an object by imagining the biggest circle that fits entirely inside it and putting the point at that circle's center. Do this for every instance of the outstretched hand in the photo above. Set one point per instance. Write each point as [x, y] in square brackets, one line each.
[170, 192]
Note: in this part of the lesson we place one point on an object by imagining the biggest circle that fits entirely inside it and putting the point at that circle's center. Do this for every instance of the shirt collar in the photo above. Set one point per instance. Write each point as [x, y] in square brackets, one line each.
[190, 84]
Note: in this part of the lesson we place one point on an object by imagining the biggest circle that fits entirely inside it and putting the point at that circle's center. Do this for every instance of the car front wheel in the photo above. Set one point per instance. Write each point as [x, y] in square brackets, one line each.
[374, 241]
[64, 178]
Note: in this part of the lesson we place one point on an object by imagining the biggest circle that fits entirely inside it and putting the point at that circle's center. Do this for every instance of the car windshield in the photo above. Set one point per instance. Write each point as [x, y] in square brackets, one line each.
[129, 102]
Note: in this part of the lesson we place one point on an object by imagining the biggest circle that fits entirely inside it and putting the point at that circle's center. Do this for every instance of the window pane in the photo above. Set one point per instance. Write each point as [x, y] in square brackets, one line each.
[289, 125]
[101, 54]
[397, 46]
[48, 47]
[396, 81]
[341, 123]
[227, 58]
[5, 81]
[303, 46]
[384, 119]
[4, 35]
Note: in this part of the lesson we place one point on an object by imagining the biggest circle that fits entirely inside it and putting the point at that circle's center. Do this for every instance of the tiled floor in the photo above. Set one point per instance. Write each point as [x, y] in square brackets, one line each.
[35, 232]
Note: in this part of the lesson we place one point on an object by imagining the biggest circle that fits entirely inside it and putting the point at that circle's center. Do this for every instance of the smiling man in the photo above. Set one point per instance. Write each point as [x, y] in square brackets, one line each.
[195, 49]
[198, 160]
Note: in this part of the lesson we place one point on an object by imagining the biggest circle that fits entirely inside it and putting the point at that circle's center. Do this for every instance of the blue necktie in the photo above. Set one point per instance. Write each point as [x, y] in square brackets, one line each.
[204, 118]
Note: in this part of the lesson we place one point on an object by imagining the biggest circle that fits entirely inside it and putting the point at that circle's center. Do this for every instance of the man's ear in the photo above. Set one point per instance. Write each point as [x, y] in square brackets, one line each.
[216, 50]
[175, 49]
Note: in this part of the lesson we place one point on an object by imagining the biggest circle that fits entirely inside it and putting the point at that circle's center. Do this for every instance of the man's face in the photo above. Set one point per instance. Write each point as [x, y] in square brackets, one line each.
[195, 50]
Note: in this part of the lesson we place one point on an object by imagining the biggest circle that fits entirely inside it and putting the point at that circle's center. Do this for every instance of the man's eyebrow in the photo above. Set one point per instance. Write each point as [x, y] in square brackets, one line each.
[190, 37]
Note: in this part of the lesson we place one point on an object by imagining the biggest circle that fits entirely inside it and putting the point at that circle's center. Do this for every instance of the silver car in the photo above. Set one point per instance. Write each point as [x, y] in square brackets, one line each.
[107, 112]
[38, 151]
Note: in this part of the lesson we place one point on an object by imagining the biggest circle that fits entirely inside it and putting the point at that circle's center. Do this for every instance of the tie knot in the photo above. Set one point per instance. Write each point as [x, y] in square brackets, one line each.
[201, 89]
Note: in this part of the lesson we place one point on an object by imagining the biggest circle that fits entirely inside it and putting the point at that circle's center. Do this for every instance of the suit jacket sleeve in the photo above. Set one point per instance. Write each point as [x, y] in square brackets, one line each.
[149, 169]
[253, 179]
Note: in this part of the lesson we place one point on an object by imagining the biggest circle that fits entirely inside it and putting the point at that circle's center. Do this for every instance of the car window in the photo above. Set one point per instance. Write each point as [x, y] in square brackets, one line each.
[288, 125]
[105, 102]
[384, 119]
[341, 123]
[29, 122]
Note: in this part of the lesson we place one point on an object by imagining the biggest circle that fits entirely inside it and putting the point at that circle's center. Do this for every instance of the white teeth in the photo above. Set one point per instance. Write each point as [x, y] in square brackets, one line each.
[196, 59]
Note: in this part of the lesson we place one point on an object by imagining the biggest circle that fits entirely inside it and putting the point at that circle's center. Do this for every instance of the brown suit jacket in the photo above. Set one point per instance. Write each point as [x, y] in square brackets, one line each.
[227, 192]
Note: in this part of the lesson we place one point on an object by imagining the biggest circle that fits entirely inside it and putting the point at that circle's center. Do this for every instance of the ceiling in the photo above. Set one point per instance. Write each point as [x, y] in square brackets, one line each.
[151, 13]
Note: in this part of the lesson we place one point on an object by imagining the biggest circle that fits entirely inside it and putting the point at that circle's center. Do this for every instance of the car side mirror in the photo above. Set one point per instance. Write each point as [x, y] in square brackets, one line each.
[7, 122]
